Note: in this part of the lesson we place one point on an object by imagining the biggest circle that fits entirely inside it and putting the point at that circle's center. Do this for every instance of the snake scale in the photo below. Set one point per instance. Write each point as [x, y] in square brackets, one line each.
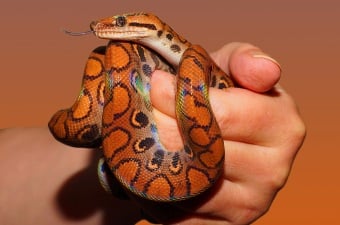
[114, 112]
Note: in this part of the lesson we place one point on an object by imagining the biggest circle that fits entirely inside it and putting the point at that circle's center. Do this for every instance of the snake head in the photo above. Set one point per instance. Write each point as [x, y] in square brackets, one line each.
[143, 28]
[133, 27]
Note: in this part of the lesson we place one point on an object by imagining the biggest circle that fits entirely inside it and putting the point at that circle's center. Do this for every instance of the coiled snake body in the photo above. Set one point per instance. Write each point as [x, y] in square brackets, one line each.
[114, 110]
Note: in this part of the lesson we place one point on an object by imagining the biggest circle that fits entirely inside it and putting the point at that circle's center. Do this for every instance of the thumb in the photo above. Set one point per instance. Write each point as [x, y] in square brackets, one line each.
[249, 66]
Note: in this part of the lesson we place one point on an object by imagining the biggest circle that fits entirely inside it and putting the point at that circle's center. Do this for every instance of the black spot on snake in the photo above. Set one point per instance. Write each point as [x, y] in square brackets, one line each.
[198, 63]
[147, 70]
[139, 119]
[187, 80]
[145, 25]
[175, 159]
[143, 145]
[91, 133]
[176, 166]
[213, 81]
[141, 53]
[222, 85]
[156, 161]
[159, 33]
[158, 158]
[175, 48]
[89, 136]
[169, 37]
[155, 59]
[188, 151]
[100, 50]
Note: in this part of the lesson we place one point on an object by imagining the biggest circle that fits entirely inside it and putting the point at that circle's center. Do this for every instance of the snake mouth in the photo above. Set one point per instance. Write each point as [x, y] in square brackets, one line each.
[110, 31]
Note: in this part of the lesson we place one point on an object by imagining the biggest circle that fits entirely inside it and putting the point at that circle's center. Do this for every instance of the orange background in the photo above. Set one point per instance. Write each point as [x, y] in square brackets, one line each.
[41, 70]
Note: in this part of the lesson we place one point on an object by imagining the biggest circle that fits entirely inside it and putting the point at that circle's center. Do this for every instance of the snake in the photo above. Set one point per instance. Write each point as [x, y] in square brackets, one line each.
[114, 112]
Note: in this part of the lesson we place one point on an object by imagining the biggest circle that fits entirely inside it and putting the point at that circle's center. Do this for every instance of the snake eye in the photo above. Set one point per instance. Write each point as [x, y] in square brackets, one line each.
[120, 21]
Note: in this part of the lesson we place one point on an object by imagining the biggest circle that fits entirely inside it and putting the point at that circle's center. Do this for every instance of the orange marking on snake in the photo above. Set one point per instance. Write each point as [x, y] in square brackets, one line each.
[199, 136]
[80, 112]
[128, 170]
[115, 142]
[196, 179]
[121, 100]
[159, 187]
[93, 67]
[58, 124]
[193, 107]
[213, 158]
[117, 57]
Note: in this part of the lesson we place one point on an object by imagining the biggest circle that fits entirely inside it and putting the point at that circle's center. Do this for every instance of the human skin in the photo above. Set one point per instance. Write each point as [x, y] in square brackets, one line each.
[44, 181]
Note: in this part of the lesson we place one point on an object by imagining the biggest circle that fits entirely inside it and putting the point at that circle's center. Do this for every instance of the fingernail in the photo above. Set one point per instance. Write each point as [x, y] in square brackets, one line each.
[262, 55]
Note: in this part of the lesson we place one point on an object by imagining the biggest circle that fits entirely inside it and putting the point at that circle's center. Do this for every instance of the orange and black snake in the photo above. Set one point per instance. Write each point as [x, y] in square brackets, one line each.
[114, 110]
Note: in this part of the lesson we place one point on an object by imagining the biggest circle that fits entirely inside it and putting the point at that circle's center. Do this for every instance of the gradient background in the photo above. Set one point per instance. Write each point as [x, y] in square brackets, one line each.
[41, 70]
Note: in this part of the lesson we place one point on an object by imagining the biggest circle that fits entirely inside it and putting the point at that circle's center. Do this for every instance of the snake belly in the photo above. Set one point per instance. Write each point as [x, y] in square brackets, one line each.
[114, 111]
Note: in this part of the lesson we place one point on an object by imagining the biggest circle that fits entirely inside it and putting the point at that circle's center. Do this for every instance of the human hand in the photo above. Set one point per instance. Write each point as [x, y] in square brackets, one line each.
[261, 139]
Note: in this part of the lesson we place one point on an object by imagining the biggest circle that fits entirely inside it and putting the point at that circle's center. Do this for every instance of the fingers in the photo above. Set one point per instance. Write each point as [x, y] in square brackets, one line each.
[162, 93]
[270, 120]
[249, 66]
[243, 115]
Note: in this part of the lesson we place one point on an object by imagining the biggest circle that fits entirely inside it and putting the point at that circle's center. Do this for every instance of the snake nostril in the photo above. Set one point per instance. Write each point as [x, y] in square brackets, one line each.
[93, 25]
